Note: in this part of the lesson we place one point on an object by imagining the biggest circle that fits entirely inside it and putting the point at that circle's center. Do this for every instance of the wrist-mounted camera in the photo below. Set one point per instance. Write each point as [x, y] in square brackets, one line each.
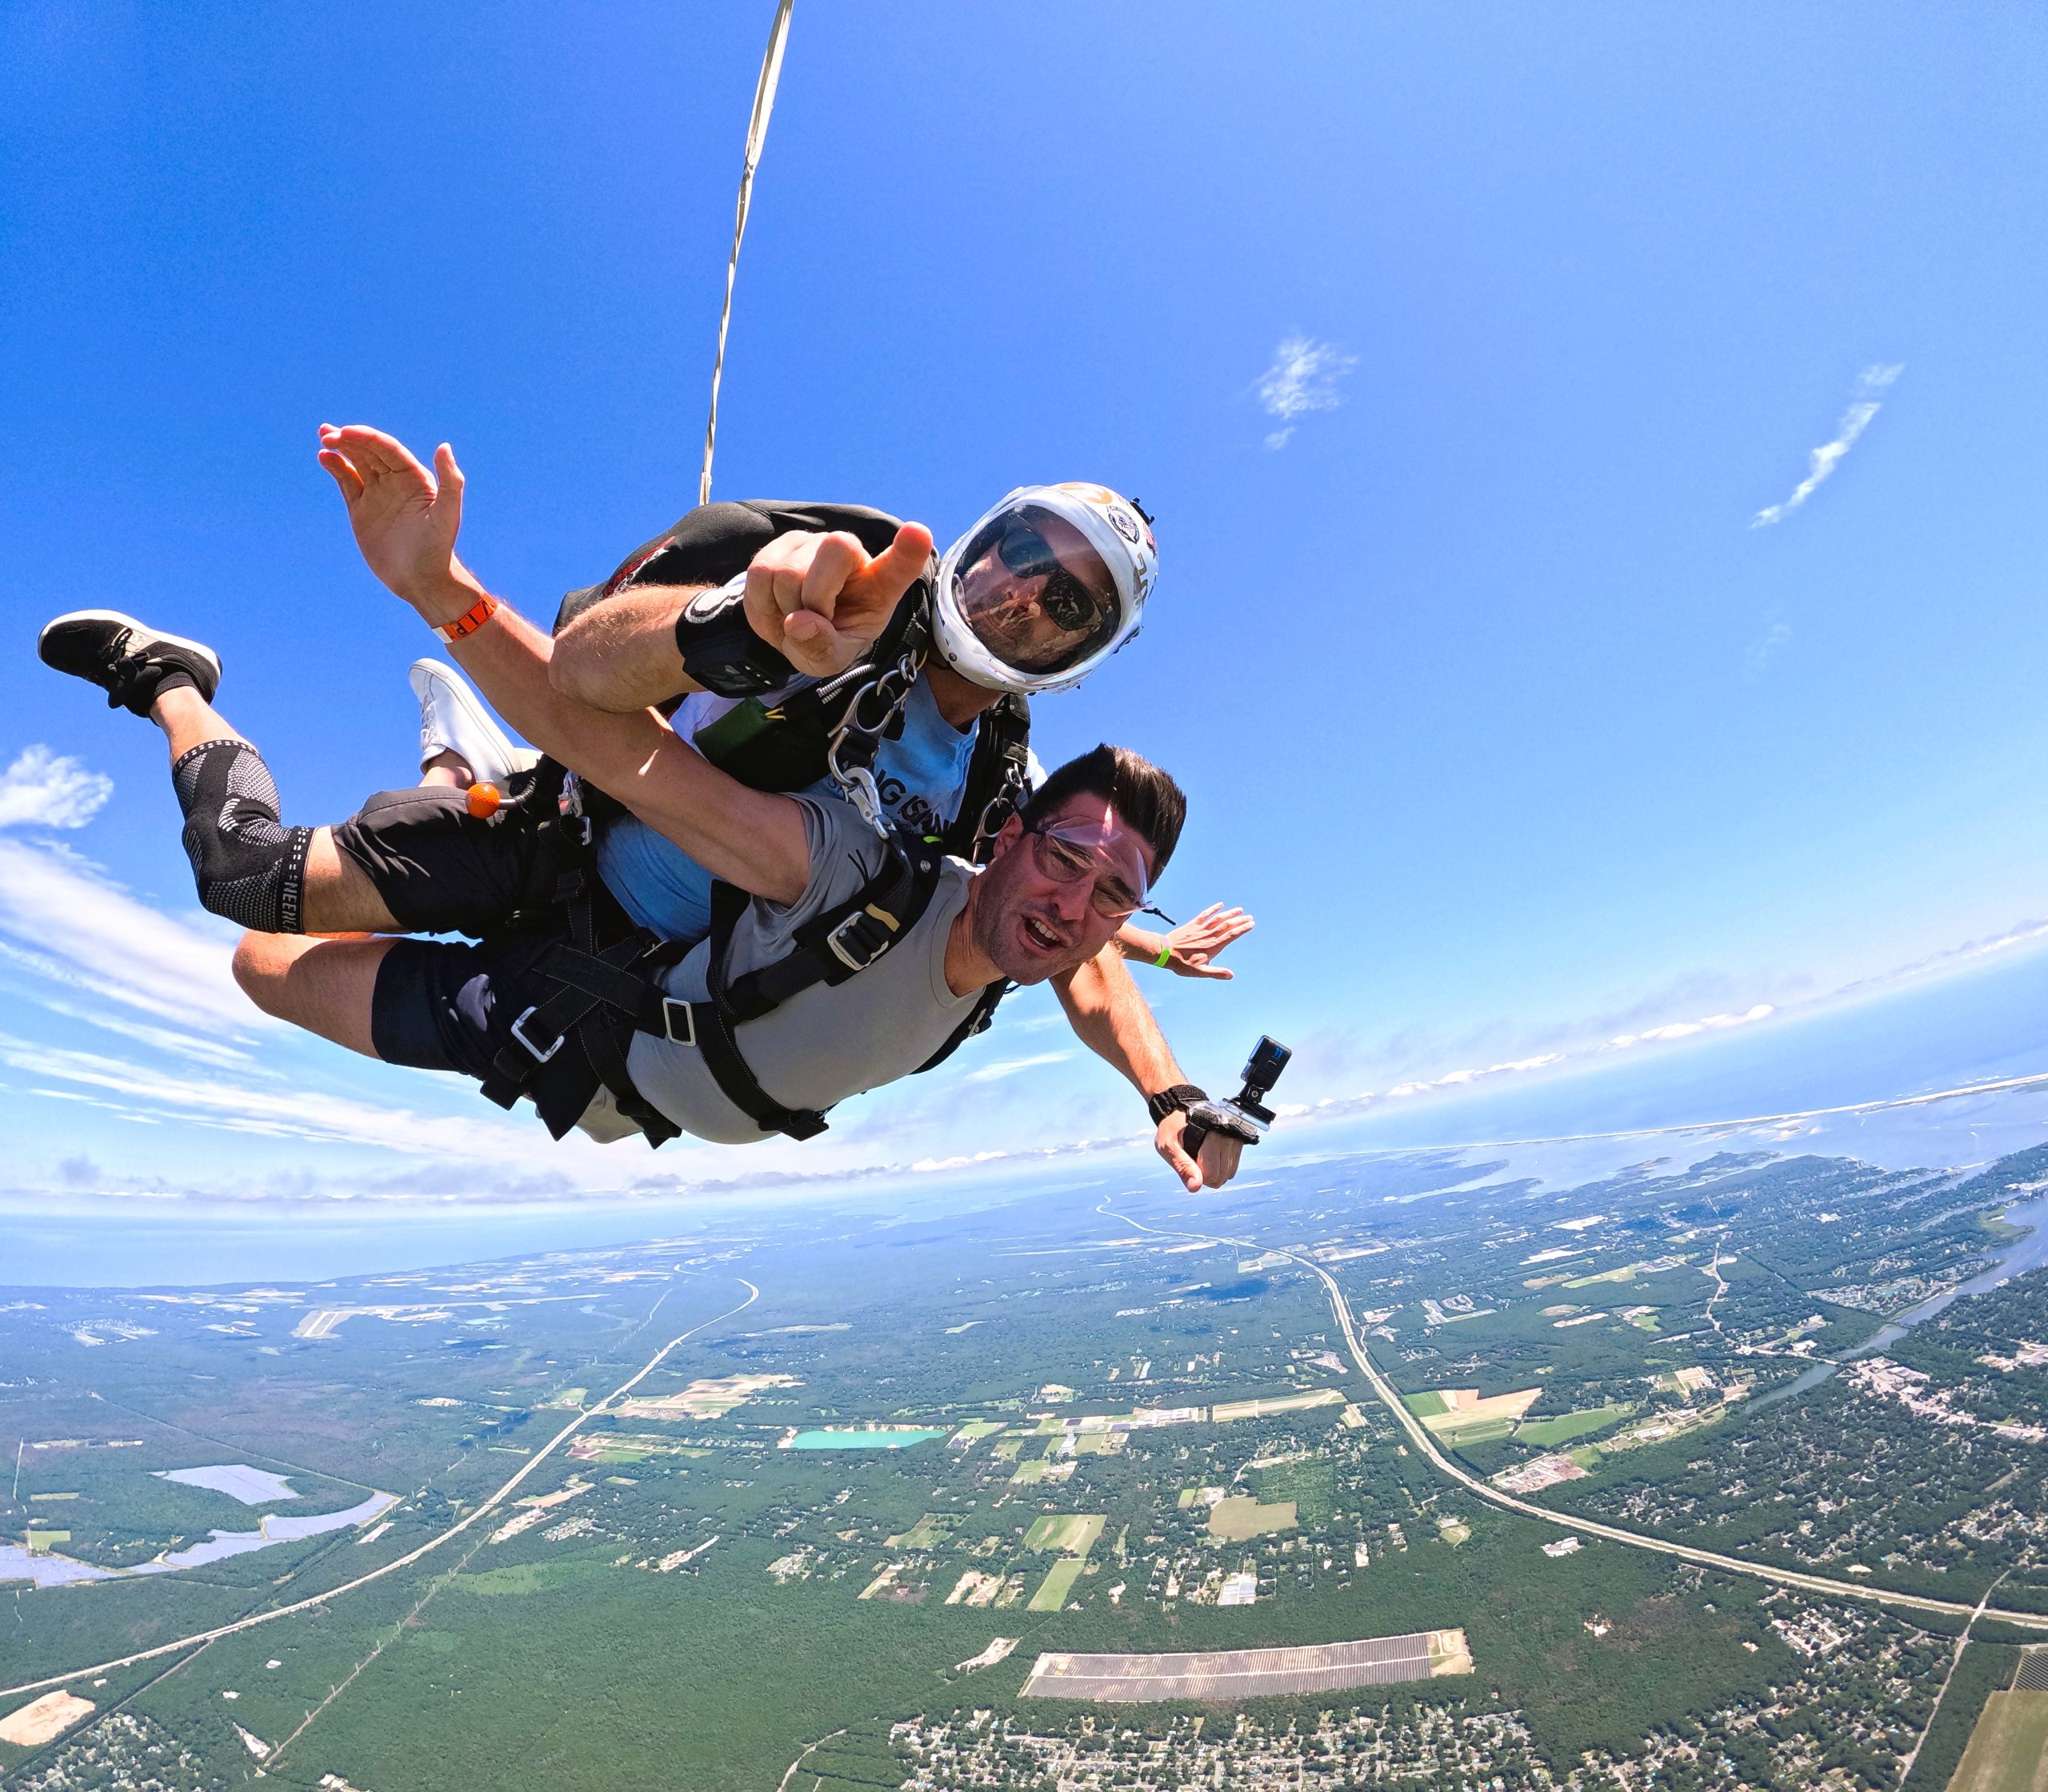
[1245, 1115]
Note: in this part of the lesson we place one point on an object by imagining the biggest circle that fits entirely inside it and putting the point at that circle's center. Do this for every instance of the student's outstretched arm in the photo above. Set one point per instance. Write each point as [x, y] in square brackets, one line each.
[1112, 1019]
[406, 522]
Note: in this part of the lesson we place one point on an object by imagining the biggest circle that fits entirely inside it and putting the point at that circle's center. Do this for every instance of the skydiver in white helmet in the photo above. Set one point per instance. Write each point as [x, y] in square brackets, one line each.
[722, 621]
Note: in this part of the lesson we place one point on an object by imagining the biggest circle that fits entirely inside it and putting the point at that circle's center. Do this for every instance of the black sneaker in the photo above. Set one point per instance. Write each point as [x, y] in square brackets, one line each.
[132, 663]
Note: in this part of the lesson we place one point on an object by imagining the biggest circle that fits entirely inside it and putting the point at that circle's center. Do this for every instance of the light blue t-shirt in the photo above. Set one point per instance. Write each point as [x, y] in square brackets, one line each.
[921, 777]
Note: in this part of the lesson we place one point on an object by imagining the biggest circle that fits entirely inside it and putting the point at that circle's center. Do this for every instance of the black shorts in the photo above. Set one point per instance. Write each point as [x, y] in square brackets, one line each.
[440, 870]
[442, 1005]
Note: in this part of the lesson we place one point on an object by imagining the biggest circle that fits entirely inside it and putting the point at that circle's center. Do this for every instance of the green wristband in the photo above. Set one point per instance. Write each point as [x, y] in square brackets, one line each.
[1166, 957]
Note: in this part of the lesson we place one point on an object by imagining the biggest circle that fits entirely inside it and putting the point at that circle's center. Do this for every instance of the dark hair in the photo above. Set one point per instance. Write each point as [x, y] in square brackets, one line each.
[1146, 797]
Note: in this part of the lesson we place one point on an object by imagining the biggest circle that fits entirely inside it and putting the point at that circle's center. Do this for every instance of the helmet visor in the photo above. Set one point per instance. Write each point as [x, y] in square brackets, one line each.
[1036, 595]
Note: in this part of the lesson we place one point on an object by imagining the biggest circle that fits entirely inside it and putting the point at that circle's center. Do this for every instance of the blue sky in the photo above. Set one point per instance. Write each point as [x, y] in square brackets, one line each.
[1458, 352]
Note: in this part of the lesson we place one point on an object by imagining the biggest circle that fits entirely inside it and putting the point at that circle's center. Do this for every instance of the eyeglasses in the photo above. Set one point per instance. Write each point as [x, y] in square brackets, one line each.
[1066, 856]
[1068, 603]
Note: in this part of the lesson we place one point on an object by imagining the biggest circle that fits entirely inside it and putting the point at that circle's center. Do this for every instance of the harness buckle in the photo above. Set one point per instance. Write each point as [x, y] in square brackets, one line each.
[843, 943]
[674, 1012]
[858, 784]
[568, 808]
[533, 1050]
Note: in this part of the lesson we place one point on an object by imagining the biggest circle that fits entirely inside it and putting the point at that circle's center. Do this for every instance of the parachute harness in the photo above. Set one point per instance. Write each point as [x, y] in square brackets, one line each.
[876, 706]
[1008, 801]
[874, 713]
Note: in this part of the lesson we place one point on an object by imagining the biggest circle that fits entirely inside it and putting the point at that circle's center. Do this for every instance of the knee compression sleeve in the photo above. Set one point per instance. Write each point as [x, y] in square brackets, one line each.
[249, 869]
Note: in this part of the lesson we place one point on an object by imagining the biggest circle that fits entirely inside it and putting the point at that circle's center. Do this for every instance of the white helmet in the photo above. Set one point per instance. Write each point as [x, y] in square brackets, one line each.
[1044, 588]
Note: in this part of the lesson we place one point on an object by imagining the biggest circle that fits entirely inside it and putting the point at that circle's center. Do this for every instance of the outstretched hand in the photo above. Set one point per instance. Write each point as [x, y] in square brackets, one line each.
[1215, 1161]
[823, 599]
[406, 519]
[1195, 945]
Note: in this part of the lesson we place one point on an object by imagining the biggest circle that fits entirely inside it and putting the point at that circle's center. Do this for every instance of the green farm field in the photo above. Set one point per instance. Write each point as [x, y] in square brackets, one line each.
[1238, 1518]
[2008, 1750]
[1569, 1427]
[1073, 1535]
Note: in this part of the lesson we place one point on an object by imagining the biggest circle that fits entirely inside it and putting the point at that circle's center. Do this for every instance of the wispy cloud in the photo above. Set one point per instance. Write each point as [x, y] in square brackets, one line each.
[1582, 1051]
[295, 1112]
[1871, 385]
[1009, 1066]
[63, 919]
[1303, 377]
[43, 789]
[1461, 1079]
[74, 933]
[1764, 651]
[201, 1048]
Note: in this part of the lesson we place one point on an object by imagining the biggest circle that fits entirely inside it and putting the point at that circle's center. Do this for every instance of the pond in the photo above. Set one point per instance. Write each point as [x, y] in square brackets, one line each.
[47, 1569]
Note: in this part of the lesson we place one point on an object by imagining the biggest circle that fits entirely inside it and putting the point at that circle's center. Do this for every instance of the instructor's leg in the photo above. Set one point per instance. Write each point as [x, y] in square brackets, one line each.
[328, 986]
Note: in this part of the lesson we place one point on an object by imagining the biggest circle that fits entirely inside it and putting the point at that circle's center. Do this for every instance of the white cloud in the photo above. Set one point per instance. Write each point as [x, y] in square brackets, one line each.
[64, 921]
[67, 921]
[1580, 1052]
[1009, 1066]
[203, 1049]
[1684, 1030]
[1303, 377]
[1871, 385]
[1458, 1079]
[288, 1112]
[42, 789]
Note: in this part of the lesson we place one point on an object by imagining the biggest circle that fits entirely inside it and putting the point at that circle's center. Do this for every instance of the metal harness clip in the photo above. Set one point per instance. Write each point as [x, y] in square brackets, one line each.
[890, 690]
[673, 1010]
[519, 1034]
[568, 806]
[839, 941]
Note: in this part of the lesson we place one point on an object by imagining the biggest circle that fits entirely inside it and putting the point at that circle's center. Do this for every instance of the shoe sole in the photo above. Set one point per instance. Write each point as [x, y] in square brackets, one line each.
[465, 701]
[122, 619]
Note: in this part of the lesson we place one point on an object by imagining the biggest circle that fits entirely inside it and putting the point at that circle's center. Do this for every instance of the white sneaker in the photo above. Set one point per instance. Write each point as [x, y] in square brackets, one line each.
[453, 719]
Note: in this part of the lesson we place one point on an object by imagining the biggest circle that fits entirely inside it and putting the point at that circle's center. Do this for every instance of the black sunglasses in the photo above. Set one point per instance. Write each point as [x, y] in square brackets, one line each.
[1068, 603]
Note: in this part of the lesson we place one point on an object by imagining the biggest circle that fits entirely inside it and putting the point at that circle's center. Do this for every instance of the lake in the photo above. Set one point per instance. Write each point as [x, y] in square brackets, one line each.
[17, 1564]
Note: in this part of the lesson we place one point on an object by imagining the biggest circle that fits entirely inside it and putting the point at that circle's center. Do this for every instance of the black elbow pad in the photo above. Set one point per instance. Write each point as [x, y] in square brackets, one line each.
[721, 652]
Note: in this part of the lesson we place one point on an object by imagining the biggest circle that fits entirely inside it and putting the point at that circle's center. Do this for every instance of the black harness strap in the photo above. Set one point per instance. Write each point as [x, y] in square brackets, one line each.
[602, 995]
[998, 783]
[738, 1083]
[833, 947]
[979, 1019]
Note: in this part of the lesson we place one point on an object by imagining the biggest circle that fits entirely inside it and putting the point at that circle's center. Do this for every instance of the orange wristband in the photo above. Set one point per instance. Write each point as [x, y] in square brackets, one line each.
[469, 621]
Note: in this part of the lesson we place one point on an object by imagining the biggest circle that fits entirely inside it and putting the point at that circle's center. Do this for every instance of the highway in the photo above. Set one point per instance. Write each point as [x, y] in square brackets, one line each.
[467, 1521]
[1419, 1436]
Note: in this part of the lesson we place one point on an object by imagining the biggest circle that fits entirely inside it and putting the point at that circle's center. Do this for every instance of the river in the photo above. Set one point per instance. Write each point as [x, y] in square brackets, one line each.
[2023, 1255]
